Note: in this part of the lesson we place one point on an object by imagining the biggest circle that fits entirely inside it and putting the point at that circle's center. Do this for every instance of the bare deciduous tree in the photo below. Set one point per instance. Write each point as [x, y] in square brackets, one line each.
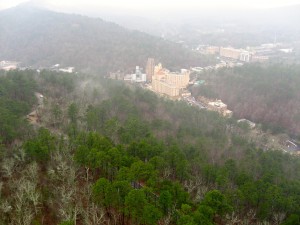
[7, 167]
[94, 215]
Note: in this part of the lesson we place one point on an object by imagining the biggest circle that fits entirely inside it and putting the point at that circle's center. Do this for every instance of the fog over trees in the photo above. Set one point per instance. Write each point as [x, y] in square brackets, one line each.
[121, 155]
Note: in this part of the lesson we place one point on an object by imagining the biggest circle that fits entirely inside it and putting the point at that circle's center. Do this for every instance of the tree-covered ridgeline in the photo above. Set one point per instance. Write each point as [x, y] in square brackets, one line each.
[266, 94]
[39, 37]
[116, 154]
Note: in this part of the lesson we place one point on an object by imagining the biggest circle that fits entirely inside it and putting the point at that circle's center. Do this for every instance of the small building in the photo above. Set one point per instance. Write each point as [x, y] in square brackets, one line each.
[137, 77]
[128, 77]
[186, 93]
[218, 104]
[117, 75]
[227, 113]
[197, 69]
[67, 70]
[220, 107]
[231, 53]
[286, 50]
[250, 123]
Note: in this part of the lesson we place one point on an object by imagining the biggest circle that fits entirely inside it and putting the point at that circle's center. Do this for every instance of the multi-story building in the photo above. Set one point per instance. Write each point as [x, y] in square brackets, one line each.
[117, 75]
[237, 54]
[245, 56]
[150, 69]
[231, 53]
[212, 50]
[171, 84]
[138, 76]
[180, 80]
[162, 87]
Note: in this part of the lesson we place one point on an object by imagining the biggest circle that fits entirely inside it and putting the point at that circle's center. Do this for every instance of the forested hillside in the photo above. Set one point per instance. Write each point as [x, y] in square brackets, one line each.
[109, 153]
[267, 94]
[38, 37]
[16, 99]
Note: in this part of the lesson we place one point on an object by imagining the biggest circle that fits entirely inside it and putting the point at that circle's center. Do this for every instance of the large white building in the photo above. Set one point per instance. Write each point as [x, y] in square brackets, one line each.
[245, 56]
[138, 76]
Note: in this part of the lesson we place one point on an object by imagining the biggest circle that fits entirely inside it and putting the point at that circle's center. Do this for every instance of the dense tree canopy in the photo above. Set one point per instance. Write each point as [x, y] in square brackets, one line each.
[139, 159]
[16, 99]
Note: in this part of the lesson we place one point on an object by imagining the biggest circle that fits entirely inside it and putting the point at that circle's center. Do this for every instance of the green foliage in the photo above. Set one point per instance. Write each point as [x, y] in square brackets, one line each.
[40, 147]
[73, 116]
[109, 194]
[204, 215]
[62, 80]
[92, 150]
[144, 170]
[179, 195]
[132, 129]
[67, 223]
[292, 220]
[186, 220]
[135, 202]
[217, 202]
[165, 201]
[16, 99]
[186, 209]
[57, 113]
[151, 214]
[160, 159]
[122, 189]
[100, 191]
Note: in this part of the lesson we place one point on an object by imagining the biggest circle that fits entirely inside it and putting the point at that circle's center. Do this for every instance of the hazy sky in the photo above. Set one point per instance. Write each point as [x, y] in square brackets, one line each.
[175, 5]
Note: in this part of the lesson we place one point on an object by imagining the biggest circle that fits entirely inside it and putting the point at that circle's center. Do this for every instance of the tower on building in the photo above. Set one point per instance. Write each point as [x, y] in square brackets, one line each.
[150, 69]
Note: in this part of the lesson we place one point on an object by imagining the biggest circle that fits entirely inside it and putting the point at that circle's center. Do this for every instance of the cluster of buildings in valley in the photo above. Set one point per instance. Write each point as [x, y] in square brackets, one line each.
[159, 79]
[260, 53]
[173, 85]
[221, 64]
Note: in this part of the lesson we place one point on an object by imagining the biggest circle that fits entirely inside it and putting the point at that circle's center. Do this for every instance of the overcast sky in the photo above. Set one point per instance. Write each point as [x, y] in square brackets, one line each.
[175, 5]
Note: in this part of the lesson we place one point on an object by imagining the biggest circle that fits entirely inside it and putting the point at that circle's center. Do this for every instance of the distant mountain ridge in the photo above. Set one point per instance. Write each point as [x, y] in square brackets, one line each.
[238, 28]
[40, 37]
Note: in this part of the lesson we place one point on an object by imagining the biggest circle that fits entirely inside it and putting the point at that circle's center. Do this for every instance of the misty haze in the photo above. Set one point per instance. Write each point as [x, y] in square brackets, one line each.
[149, 112]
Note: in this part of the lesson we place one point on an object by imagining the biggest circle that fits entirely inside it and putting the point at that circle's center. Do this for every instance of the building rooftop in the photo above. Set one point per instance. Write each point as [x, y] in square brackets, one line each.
[250, 123]
[218, 104]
